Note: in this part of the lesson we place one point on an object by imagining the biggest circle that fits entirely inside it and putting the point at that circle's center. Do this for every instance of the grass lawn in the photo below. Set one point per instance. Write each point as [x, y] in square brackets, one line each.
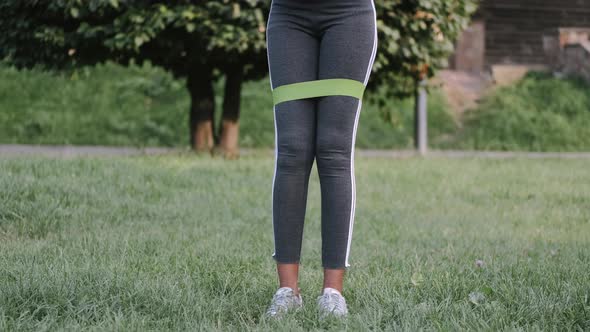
[184, 242]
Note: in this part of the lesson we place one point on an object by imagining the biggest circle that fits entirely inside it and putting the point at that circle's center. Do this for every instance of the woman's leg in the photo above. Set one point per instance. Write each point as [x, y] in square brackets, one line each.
[293, 57]
[347, 50]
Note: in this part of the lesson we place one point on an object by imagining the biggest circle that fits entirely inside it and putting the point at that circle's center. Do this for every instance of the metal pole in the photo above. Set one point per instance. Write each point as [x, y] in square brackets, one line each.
[421, 119]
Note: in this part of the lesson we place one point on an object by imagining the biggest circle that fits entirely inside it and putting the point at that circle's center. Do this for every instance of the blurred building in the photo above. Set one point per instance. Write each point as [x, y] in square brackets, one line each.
[509, 37]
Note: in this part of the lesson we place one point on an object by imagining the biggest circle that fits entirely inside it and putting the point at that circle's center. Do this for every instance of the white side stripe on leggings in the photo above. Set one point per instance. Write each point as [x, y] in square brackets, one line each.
[356, 120]
[276, 133]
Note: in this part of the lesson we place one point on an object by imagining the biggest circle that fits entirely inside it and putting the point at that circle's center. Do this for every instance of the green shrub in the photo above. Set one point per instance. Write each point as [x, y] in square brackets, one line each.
[106, 104]
[145, 106]
[539, 113]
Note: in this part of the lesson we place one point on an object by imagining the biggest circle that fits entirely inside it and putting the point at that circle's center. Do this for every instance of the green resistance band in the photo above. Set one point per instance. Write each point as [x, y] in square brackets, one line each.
[318, 88]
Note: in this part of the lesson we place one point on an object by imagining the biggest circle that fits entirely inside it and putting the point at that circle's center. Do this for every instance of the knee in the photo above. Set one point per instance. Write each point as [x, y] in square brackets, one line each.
[294, 156]
[333, 154]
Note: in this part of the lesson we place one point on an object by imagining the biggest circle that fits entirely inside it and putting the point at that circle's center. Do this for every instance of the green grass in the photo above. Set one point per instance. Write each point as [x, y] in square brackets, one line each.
[184, 243]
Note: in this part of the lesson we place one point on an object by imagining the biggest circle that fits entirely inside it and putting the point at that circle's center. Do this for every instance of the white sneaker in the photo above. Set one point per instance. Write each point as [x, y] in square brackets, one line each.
[331, 302]
[283, 301]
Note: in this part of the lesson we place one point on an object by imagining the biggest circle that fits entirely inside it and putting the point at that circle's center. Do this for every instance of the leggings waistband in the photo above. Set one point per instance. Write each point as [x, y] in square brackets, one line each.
[324, 4]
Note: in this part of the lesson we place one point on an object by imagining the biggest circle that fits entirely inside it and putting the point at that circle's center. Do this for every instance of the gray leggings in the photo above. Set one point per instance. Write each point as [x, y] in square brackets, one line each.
[313, 40]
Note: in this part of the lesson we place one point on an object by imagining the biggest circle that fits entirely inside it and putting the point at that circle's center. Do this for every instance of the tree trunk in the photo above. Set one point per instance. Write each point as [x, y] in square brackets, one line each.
[230, 125]
[201, 126]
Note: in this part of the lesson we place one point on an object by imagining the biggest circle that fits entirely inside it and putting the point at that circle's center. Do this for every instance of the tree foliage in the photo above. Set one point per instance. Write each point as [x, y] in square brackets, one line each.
[172, 34]
[416, 37]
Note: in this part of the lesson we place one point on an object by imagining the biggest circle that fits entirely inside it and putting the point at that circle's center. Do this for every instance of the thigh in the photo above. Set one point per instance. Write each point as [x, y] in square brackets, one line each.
[347, 50]
[293, 56]
[293, 52]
